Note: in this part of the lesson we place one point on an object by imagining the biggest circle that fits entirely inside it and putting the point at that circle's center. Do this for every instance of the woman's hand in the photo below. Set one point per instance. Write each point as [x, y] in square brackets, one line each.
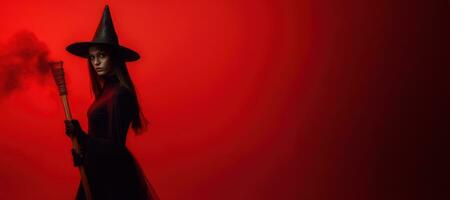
[73, 129]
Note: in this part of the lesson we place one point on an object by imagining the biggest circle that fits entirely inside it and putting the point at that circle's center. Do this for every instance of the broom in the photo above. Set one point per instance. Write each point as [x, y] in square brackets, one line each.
[58, 74]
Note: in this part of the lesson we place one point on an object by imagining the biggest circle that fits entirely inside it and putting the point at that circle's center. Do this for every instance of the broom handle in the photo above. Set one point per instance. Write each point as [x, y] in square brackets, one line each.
[75, 145]
[66, 107]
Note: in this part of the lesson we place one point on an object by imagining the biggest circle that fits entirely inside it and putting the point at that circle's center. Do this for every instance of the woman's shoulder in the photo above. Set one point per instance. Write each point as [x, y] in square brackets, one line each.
[122, 92]
[123, 95]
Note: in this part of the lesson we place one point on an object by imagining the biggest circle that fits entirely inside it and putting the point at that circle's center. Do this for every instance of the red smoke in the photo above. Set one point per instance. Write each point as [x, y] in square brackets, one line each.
[22, 58]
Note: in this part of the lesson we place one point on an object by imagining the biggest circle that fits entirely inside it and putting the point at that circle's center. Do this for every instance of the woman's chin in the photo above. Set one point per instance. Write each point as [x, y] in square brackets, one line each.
[104, 74]
[101, 73]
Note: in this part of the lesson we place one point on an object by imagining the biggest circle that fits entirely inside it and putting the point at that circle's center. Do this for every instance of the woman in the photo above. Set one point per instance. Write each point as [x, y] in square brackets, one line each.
[111, 170]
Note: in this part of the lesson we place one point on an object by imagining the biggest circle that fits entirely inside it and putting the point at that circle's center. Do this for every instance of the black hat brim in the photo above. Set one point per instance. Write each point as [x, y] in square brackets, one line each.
[82, 49]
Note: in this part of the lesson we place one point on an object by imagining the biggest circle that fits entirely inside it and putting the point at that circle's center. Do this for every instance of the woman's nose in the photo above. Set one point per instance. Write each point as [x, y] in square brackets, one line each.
[96, 61]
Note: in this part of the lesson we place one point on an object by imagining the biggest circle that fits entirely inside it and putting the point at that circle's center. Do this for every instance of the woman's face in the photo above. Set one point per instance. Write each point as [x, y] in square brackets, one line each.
[100, 60]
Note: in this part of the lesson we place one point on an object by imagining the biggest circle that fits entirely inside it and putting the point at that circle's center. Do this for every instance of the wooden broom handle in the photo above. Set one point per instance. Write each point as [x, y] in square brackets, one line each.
[75, 145]
[66, 107]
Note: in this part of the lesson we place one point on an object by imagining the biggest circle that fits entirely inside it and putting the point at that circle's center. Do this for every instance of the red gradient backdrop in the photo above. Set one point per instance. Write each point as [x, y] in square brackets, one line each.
[290, 99]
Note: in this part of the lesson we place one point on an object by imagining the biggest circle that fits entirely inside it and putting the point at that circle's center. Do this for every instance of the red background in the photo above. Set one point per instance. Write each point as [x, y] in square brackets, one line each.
[247, 99]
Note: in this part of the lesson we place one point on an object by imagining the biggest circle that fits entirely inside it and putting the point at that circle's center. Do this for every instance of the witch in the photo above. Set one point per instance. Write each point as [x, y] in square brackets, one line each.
[111, 170]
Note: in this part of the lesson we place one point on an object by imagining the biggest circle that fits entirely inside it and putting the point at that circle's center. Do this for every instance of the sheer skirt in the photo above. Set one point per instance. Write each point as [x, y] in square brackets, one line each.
[117, 177]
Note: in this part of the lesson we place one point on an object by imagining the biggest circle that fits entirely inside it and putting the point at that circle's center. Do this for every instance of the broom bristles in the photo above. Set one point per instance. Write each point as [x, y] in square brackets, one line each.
[58, 75]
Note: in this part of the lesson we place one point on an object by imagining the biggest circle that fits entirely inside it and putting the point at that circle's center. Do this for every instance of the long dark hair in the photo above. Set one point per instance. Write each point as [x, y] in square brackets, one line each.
[138, 122]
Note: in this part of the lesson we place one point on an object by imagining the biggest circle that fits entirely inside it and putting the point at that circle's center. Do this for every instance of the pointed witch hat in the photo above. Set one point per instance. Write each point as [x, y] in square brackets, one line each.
[105, 35]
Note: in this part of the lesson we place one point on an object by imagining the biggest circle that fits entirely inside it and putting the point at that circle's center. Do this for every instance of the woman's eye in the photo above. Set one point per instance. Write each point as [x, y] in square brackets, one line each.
[91, 57]
[101, 55]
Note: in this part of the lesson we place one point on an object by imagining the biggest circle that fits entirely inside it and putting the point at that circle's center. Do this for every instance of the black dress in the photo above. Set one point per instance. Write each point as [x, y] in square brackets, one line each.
[111, 170]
